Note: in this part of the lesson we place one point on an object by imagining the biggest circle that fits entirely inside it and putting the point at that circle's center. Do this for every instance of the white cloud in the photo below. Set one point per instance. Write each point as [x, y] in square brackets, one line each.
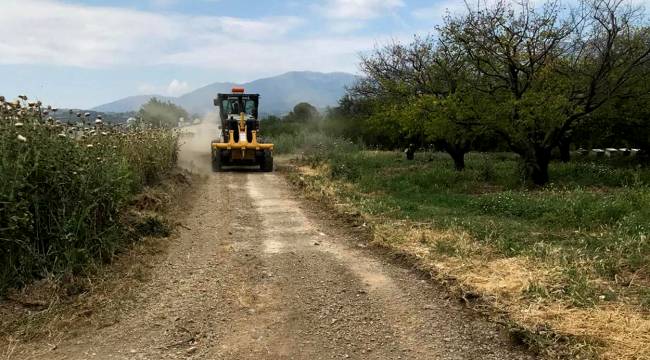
[256, 29]
[148, 89]
[174, 88]
[359, 9]
[325, 54]
[344, 26]
[436, 12]
[169, 3]
[162, 3]
[55, 33]
[52, 32]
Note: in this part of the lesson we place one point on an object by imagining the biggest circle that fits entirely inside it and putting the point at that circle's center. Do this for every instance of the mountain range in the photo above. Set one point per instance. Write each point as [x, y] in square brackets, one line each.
[279, 94]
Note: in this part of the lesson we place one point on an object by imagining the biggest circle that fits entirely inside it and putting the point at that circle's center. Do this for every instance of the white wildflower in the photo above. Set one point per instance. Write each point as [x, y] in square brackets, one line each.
[18, 124]
[98, 121]
[22, 138]
[62, 135]
[89, 145]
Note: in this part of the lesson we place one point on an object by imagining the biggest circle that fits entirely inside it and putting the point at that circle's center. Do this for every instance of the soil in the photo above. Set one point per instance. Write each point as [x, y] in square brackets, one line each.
[254, 272]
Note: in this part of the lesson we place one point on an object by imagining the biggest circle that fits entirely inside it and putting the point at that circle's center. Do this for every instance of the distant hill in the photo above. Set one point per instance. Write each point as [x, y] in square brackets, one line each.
[128, 104]
[278, 94]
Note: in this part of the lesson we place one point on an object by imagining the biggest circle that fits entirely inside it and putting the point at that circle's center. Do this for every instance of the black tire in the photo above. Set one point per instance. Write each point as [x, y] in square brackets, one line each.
[251, 125]
[216, 161]
[266, 164]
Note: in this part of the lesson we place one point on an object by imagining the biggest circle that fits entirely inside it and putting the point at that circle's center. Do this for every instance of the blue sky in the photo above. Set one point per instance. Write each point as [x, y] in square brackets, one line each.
[82, 53]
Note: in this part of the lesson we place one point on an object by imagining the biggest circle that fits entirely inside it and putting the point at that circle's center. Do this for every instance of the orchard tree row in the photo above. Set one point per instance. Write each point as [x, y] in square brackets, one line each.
[531, 78]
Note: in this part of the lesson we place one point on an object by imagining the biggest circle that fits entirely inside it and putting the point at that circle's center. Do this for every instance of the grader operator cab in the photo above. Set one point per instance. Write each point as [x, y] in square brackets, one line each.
[240, 127]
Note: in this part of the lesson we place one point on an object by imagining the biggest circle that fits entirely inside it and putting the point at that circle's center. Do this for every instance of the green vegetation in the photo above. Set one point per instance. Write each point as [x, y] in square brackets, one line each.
[529, 78]
[592, 221]
[62, 188]
[161, 114]
[570, 258]
[292, 131]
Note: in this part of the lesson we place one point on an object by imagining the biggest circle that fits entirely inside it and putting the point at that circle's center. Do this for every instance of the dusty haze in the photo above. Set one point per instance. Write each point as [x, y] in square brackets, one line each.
[195, 144]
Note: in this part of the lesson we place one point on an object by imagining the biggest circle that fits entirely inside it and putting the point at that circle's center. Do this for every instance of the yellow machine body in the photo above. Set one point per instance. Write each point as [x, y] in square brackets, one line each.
[243, 143]
[242, 152]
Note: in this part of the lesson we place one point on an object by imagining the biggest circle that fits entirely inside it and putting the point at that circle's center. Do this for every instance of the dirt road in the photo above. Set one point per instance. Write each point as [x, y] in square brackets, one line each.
[255, 273]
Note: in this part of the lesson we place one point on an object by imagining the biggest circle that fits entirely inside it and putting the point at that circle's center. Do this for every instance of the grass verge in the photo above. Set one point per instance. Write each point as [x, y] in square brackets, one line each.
[63, 188]
[58, 307]
[567, 264]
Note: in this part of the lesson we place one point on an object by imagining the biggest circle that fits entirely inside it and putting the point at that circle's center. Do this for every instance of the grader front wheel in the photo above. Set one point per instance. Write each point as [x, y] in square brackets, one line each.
[266, 164]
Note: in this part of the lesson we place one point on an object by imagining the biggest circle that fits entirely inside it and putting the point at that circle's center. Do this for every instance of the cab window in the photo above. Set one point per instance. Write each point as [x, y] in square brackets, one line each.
[225, 104]
[250, 107]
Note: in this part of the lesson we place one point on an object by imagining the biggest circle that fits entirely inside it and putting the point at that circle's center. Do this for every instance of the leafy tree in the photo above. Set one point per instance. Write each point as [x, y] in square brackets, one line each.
[543, 73]
[159, 114]
[303, 112]
[347, 120]
[417, 90]
[620, 123]
[274, 126]
[304, 116]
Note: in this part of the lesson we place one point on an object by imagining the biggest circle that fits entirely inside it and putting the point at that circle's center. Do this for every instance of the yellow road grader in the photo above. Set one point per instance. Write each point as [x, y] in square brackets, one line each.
[240, 127]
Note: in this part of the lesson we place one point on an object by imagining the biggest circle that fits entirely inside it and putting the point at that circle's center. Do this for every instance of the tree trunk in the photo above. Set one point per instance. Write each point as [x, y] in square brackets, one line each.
[565, 151]
[459, 159]
[457, 153]
[536, 162]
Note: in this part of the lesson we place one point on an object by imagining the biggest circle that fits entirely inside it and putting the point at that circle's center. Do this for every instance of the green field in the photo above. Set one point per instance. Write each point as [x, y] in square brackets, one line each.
[592, 221]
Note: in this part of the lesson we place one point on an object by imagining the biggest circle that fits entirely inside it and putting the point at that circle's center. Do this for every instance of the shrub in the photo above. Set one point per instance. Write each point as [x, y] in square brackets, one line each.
[62, 188]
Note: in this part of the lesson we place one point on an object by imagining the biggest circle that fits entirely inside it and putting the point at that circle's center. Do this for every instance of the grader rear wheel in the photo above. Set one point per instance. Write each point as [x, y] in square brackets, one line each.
[216, 160]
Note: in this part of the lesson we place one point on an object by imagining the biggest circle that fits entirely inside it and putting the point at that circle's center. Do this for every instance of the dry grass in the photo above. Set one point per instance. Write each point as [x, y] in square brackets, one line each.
[508, 285]
[616, 331]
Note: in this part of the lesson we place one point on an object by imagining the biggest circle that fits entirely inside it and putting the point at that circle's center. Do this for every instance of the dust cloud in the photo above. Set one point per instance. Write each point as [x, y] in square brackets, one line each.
[195, 141]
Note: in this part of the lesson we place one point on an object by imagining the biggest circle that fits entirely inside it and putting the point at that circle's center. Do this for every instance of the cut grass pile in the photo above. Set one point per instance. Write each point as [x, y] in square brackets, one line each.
[572, 257]
[62, 188]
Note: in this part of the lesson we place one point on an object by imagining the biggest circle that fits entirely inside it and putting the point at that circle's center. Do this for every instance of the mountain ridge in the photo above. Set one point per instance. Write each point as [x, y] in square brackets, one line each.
[278, 93]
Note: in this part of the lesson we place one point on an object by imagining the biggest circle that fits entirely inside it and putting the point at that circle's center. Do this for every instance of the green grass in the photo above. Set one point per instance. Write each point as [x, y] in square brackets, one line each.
[62, 189]
[312, 143]
[596, 214]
